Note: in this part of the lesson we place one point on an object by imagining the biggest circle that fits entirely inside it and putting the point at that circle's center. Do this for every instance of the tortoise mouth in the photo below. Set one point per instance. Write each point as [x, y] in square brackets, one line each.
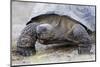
[54, 41]
[45, 36]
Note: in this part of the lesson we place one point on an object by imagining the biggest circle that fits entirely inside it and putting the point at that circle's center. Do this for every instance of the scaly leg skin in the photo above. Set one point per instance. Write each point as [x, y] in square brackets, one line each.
[27, 40]
[80, 34]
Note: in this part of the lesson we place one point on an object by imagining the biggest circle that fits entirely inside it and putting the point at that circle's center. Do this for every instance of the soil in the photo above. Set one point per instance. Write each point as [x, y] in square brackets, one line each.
[52, 53]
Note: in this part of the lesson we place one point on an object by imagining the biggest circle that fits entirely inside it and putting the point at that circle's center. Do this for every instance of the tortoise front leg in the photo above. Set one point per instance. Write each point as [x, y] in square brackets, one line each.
[27, 40]
[82, 36]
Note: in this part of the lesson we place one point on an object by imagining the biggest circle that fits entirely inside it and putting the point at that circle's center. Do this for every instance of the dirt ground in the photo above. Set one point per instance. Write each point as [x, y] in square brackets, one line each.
[45, 53]
[52, 54]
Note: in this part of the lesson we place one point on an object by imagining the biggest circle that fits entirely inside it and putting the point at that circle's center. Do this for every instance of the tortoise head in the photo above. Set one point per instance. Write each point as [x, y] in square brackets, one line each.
[44, 31]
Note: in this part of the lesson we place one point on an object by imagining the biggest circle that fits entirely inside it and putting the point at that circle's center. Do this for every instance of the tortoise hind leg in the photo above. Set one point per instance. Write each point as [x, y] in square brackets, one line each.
[81, 35]
[27, 40]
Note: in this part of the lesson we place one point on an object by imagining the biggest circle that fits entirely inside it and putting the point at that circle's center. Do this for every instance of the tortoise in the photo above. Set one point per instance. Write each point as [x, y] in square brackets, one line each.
[58, 24]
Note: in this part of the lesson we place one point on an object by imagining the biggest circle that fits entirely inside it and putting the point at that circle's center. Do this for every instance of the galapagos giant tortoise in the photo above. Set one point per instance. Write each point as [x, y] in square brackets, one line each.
[60, 24]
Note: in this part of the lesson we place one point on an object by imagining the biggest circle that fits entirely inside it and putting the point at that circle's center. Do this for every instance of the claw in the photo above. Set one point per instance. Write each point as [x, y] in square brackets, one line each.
[26, 51]
[84, 50]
